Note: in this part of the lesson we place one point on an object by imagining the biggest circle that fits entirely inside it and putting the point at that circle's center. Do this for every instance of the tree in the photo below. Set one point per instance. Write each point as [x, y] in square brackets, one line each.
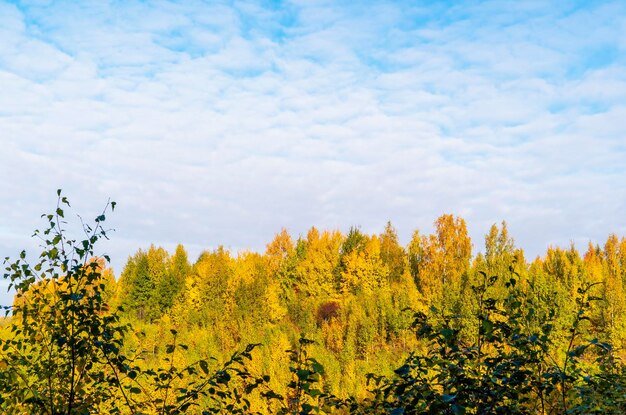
[391, 253]
[279, 250]
[442, 260]
[614, 290]
[206, 291]
[364, 270]
[315, 272]
[62, 357]
[499, 250]
[415, 251]
[146, 284]
[173, 282]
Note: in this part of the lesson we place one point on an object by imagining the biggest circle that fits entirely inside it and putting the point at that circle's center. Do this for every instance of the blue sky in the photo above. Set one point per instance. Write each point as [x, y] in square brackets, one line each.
[221, 122]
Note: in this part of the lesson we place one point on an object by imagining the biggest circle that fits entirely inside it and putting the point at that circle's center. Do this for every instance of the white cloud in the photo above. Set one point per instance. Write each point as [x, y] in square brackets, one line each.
[221, 124]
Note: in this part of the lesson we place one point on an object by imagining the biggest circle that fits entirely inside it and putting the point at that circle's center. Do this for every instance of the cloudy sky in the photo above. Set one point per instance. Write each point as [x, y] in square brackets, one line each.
[221, 122]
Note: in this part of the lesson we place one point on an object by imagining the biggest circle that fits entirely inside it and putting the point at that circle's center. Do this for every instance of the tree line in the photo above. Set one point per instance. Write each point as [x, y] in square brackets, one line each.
[330, 322]
[327, 278]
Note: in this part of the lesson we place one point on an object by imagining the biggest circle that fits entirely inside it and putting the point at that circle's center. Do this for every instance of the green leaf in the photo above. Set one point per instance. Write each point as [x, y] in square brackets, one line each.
[458, 409]
[314, 392]
[403, 370]
[204, 366]
[317, 367]
[447, 333]
[486, 327]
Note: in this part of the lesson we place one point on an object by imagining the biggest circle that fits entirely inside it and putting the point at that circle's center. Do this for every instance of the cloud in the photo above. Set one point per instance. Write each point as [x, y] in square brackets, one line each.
[222, 123]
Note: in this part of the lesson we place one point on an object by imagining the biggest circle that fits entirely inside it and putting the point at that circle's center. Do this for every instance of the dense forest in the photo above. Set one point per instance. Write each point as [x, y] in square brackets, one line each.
[323, 323]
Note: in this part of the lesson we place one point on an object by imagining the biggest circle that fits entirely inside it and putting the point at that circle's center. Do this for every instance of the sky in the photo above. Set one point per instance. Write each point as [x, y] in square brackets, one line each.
[218, 123]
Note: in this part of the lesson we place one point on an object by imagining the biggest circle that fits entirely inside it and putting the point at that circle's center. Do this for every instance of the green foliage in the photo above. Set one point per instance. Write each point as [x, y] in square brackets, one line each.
[507, 370]
[304, 395]
[172, 389]
[62, 352]
[152, 280]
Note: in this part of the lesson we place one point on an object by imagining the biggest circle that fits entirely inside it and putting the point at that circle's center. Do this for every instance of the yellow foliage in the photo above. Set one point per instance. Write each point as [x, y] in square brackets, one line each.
[364, 269]
[274, 308]
[333, 331]
[278, 250]
[316, 271]
[44, 294]
[444, 257]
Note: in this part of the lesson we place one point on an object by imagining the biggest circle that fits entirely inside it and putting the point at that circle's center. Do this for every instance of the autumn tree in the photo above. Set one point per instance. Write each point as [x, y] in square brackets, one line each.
[415, 254]
[278, 251]
[315, 272]
[178, 270]
[442, 260]
[280, 269]
[501, 260]
[363, 268]
[391, 253]
[206, 287]
[499, 250]
[614, 312]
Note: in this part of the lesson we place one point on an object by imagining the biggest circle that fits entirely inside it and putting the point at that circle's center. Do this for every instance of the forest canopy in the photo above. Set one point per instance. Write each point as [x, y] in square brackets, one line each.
[327, 322]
